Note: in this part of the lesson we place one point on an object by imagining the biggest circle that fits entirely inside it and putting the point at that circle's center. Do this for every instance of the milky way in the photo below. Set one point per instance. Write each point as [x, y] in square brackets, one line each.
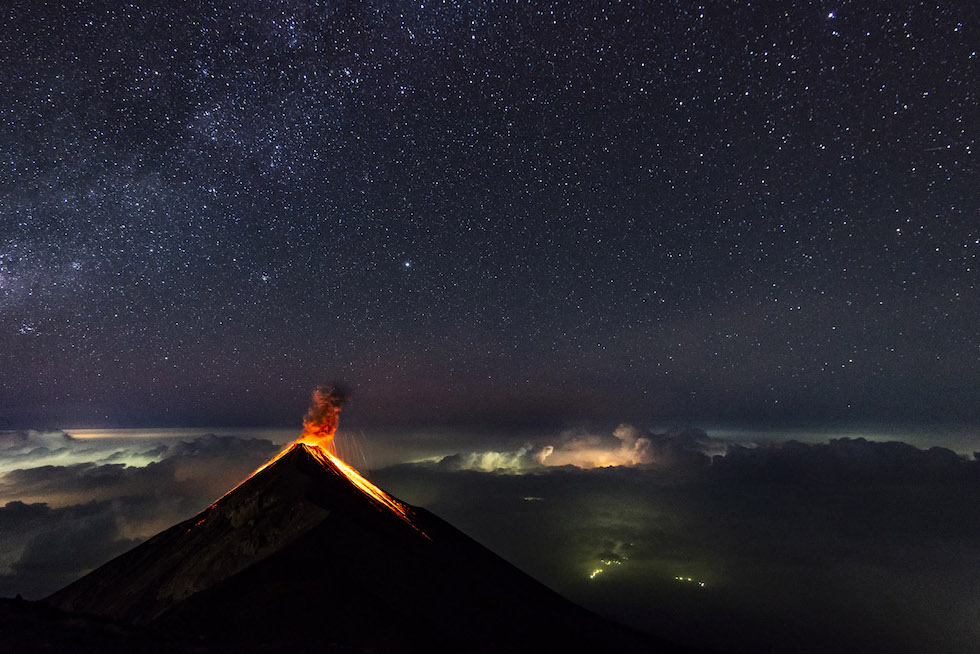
[507, 212]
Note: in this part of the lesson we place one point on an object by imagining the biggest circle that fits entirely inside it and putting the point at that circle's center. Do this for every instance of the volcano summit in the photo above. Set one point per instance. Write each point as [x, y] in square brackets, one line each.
[307, 554]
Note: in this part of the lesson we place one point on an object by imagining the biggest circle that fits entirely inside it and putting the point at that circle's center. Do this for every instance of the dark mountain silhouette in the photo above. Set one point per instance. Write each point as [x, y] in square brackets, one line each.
[300, 557]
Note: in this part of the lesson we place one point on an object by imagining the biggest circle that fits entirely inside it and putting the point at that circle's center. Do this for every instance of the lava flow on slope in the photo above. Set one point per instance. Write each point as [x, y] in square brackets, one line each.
[319, 428]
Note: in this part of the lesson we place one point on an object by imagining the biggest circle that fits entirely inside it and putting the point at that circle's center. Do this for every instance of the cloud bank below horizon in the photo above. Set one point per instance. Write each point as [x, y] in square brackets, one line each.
[617, 521]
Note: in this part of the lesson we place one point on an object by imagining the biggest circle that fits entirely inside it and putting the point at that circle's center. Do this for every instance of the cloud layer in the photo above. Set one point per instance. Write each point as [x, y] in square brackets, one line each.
[685, 449]
[59, 521]
[848, 545]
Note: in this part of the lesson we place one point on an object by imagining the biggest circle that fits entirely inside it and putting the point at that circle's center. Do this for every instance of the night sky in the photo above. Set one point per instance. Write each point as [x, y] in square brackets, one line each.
[491, 213]
[587, 269]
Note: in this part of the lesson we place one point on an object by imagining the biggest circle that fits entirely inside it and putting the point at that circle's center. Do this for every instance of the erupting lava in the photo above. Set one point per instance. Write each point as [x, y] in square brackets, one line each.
[319, 427]
[320, 423]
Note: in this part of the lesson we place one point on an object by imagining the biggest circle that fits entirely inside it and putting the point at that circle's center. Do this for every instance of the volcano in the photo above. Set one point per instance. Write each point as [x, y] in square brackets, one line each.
[308, 555]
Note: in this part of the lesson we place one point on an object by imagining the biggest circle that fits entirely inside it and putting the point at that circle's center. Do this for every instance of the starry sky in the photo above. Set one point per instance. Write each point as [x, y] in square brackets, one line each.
[488, 213]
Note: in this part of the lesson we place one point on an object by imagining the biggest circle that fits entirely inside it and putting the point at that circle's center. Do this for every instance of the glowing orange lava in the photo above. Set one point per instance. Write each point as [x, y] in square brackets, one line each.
[362, 484]
[319, 427]
[320, 423]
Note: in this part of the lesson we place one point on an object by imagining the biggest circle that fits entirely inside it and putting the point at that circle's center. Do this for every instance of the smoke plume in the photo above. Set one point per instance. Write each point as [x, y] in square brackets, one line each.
[320, 423]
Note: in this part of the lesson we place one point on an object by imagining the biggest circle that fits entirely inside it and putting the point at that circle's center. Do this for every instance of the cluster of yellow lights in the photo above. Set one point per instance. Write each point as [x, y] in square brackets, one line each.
[606, 562]
[688, 580]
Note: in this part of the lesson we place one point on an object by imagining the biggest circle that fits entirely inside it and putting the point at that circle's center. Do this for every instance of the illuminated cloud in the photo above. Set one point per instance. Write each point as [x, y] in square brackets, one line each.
[524, 459]
[684, 449]
[586, 450]
[30, 448]
[68, 504]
